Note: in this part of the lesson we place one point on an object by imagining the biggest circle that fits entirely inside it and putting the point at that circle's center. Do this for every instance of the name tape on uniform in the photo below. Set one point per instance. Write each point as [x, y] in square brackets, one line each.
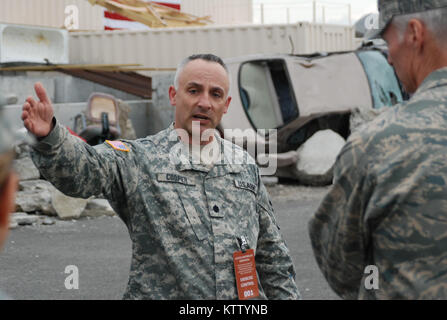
[172, 177]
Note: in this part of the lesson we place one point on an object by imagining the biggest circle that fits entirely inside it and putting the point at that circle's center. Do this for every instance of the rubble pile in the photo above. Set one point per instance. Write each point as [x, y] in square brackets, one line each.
[39, 202]
[316, 158]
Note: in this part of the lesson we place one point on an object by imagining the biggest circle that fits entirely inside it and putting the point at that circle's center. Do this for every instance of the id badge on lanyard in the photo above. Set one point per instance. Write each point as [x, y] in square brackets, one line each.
[245, 271]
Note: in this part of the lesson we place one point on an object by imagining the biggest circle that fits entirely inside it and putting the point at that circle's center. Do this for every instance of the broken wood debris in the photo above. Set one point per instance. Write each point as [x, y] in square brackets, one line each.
[152, 14]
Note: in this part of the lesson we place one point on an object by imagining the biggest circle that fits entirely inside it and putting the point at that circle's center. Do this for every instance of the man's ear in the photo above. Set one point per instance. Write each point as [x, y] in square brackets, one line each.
[227, 104]
[172, 95]
[416, 34]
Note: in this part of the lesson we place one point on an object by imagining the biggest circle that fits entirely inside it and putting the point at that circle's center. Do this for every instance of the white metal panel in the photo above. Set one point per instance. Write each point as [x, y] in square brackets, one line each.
[50, 13]
[164, 48]
[322, 85]
[324, 38]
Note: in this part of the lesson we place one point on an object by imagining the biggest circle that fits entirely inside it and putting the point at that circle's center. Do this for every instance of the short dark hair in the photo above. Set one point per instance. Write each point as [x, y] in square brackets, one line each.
[202, 56]
[207, 57]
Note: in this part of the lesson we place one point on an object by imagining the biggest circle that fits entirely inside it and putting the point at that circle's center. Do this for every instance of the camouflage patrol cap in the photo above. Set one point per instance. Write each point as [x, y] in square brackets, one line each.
[391, 8]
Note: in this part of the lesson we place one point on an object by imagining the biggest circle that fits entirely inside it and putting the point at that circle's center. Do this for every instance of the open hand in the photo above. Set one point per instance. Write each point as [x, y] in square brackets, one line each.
[37, 116]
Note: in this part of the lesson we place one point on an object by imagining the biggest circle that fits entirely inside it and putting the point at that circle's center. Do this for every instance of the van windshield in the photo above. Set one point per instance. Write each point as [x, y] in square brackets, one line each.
[383, 82]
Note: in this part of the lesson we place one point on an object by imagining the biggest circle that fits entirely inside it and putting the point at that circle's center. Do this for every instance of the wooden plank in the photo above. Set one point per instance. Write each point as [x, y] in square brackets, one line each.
[65, 67]
[153, 12]
[126, 7]
[146, 19]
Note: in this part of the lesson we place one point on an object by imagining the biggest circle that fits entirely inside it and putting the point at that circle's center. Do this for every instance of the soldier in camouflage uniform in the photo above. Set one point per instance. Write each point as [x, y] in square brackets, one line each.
[184, 217]
[388, 204]
[8, 181]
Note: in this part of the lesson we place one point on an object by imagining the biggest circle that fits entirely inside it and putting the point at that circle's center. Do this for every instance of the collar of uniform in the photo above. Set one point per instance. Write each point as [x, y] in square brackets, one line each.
[220, 168]
[185, 163]
[225, 165]
[181, 162]
[435, 79]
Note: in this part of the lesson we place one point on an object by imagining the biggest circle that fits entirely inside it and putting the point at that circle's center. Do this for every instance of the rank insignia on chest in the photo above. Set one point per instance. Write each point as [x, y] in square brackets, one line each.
[118, 145]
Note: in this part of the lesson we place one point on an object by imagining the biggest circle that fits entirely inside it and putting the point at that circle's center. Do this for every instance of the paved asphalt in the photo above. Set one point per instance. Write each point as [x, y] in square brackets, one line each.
[34, 259]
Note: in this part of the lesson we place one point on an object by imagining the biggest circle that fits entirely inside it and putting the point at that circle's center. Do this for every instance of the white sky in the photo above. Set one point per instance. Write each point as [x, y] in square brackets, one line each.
[336, 11]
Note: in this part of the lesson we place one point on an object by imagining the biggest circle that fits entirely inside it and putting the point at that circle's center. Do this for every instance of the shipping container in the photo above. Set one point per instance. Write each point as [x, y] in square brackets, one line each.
[54, 13]
[164, 48]
[221, 12]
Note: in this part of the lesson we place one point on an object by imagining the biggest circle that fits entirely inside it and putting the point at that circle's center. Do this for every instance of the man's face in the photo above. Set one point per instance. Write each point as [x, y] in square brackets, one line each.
[400, 57]
[202, 95]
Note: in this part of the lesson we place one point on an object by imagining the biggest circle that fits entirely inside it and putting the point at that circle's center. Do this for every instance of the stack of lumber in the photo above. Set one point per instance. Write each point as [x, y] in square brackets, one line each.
[152, 14]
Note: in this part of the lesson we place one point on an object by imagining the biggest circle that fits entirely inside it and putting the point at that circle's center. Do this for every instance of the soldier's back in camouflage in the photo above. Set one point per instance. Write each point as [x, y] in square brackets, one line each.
[388, 204]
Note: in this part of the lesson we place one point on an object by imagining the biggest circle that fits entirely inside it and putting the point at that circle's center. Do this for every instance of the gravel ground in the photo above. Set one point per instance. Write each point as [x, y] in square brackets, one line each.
[35, 258]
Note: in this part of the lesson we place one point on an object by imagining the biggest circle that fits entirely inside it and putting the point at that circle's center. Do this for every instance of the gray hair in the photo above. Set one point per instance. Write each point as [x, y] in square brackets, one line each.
[206, 57]
[435, 20]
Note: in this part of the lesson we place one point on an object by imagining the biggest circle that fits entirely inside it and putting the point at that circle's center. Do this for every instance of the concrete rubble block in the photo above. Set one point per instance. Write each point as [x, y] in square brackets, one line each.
[26, 169]
[35, 195]
[48, 221]
[35, 185]
[13, 225]
[41, 196]
[98, 207]
[35, 201]
[316, 158]
[23, 219]
[67, 207]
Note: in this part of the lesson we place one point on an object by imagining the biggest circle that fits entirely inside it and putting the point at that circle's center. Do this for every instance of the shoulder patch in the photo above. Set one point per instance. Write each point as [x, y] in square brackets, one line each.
[118, 145]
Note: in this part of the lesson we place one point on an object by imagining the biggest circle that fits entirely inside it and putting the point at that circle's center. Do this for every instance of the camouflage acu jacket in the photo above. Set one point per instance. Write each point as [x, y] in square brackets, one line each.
[183, 219]
[388, 204]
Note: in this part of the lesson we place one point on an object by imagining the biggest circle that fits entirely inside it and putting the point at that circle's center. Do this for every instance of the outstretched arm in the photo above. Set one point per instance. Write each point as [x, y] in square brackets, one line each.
[71, 165]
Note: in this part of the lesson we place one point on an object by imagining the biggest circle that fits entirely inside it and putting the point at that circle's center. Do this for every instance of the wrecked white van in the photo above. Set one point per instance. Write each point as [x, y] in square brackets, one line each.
[283, 100]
